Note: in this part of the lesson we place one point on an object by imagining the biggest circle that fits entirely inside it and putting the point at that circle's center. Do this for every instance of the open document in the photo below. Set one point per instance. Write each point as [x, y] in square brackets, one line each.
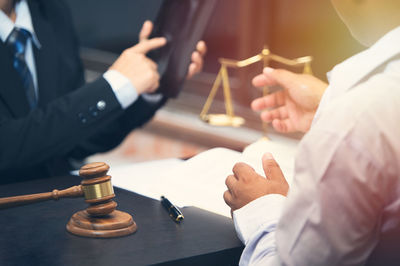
[200, 181]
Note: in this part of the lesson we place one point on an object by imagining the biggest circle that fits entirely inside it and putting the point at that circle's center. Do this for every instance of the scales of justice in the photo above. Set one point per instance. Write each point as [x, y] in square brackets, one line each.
[229, 118]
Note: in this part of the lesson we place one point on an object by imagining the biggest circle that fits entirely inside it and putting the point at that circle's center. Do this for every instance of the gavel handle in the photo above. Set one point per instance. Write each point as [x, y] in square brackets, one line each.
[72, 192]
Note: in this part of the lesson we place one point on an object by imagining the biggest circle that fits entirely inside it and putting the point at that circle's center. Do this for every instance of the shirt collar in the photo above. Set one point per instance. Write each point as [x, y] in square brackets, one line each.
[356, 68]
[359, 67]
[23, 20]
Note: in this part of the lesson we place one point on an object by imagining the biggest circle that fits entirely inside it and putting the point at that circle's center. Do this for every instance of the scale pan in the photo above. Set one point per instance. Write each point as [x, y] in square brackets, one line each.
[223, 120]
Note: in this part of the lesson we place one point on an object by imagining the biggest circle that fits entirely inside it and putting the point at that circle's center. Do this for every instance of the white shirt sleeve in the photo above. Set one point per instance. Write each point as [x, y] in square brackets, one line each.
[249, 219]
[122, 87]
[255, 225]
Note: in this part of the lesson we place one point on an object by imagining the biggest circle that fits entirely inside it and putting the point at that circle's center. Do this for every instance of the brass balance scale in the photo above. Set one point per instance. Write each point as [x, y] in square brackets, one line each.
[229, 118]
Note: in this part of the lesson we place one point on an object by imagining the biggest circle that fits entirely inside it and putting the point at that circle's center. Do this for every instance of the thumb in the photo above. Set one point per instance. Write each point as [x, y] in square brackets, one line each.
[271, 168]
[146, 46]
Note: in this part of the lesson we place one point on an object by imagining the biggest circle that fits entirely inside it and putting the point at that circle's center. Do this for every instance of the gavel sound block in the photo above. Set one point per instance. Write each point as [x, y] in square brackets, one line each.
[100, 219]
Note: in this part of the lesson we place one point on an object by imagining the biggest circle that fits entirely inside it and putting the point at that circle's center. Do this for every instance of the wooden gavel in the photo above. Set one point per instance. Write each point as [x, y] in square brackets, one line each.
[100, 219]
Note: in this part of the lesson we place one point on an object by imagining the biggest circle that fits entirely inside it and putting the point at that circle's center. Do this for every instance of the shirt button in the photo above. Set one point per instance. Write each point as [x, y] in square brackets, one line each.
[82, 118]
[93, 111]
[101, 105]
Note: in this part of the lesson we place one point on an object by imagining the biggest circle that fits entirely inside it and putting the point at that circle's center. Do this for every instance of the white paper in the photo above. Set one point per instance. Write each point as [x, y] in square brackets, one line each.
[200, 181]
[141, 177]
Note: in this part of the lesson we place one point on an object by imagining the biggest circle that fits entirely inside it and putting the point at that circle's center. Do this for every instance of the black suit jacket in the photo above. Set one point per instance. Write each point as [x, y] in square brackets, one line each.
[68, 123]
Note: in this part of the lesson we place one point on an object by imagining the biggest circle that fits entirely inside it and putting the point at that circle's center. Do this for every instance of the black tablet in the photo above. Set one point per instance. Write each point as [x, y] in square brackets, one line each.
[183, 23]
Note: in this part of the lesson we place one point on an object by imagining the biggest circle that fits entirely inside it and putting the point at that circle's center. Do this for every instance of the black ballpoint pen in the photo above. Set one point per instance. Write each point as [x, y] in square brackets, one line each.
[173, 211]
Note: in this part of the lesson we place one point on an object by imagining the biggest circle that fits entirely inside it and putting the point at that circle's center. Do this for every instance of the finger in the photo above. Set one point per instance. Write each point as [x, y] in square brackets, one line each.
[146, 30]
[271, 100]
[156, 82]
[242, 171]
[228, 198]
[278, 113]
[198, 61]
[154, 87]
[283, 126]
[147, 45]
[230, 183]
[196, 65]
[197, 58]
[201, 47]
[192, 70]
[281, 77]
[271, 167]
[263, 80]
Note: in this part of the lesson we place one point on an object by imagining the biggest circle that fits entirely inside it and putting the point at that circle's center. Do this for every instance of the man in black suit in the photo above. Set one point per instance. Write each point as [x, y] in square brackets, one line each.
[48, 115]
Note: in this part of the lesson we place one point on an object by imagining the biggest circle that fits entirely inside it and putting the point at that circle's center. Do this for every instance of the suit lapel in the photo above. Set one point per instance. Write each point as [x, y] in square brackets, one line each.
[46, 58]
[11, 88]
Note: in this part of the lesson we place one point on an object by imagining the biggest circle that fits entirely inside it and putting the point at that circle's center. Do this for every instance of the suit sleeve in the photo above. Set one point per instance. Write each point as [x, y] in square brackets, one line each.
[113, 134]
[59, 127]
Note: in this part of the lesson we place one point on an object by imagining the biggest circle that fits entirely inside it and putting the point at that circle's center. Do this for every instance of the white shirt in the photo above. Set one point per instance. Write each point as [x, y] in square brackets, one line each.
[123, 89]
[23, 20]
[345, 199]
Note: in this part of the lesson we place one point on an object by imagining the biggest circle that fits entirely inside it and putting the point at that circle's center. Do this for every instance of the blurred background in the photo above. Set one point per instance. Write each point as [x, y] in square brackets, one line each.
[238, 29]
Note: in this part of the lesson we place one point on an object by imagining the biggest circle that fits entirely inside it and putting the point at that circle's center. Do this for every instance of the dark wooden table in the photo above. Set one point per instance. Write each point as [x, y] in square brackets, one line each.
[35, 234]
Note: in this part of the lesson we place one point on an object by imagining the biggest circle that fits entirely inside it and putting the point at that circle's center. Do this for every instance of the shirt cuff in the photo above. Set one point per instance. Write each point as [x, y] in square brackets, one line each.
[122, 87]
[261, 212]
[152, 98]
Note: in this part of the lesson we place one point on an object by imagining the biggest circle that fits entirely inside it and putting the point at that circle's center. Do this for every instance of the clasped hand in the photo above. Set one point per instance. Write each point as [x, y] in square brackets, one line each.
[141, 70]
[245, 185]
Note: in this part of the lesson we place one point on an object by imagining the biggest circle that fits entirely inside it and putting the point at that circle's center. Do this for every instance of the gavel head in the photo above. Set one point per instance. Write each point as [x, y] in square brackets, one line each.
[97, 189]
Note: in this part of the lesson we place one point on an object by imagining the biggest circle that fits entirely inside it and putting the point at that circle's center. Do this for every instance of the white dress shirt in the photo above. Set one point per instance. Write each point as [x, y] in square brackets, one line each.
[23, 20]
[123, 89]
[345, 197]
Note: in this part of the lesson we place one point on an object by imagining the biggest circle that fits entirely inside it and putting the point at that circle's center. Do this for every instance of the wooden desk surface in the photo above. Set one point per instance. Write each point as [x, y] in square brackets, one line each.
[36, 235]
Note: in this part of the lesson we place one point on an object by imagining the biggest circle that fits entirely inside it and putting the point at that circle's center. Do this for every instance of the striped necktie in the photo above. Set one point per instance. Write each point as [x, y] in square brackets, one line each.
[17, 41]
